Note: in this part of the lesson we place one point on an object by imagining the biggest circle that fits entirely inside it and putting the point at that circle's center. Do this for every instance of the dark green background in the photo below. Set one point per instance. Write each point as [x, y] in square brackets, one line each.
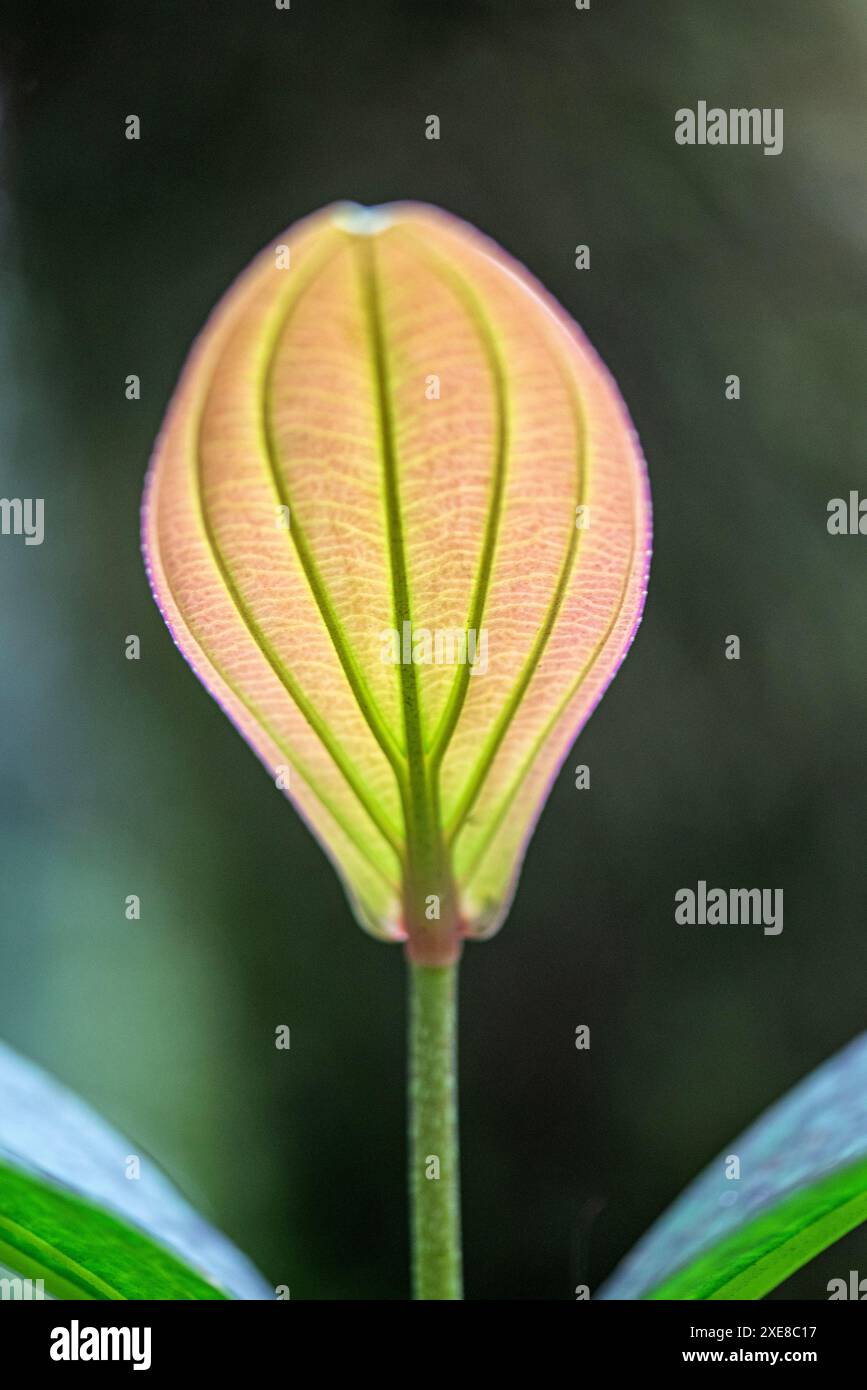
[557, 129]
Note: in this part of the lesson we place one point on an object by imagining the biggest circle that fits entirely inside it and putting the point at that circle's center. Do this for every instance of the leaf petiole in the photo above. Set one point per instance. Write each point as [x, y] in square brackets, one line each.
[434, 1162]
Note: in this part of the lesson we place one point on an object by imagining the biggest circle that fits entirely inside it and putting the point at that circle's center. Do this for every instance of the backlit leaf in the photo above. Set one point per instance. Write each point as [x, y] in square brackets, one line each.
[802, 1185]
[71, 1216]
[389, 433]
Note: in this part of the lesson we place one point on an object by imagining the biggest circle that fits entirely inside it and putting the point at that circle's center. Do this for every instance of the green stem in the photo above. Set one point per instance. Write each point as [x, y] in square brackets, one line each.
[434, 1176]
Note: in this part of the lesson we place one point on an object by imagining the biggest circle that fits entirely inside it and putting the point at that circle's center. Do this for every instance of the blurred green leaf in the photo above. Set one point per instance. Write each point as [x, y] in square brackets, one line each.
[70, 1215]
[83, 1252]
[802, 1185]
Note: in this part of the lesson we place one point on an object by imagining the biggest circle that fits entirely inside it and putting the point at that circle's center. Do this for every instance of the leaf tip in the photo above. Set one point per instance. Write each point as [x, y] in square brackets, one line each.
[359, 220]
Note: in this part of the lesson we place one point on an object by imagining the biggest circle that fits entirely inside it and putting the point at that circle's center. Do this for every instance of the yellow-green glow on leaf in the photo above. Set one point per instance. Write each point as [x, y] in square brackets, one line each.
[387, 421]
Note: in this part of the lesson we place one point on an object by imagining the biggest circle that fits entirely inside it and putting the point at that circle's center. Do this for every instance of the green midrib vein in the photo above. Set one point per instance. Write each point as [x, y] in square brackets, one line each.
[424, 842]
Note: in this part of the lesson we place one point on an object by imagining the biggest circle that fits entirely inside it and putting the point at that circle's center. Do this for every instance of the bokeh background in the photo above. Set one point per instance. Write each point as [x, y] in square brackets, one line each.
[122, 777]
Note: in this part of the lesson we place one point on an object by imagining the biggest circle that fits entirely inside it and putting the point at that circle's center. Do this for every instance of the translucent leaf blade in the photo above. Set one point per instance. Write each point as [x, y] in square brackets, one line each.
[428, 421]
